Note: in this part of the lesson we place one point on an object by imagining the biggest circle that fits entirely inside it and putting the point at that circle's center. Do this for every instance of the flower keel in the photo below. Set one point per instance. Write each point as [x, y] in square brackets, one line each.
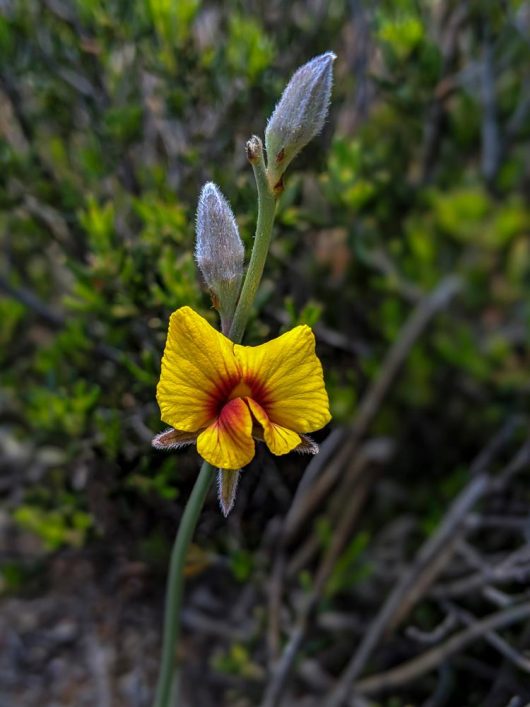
[278, 439]
[227, 443]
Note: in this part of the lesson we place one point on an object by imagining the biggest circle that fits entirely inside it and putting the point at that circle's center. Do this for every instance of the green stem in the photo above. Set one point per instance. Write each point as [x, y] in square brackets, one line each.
[175, 586]
[266, 210]
[175, 583]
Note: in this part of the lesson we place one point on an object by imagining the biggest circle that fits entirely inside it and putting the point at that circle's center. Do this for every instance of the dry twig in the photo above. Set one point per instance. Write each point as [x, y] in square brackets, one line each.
[427, 565]
[371, 403]
[412, 669]
[518, 659]
[311, 495]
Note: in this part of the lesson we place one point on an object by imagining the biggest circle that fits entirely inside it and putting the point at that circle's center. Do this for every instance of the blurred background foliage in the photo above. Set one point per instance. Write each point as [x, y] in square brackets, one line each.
[113, 114]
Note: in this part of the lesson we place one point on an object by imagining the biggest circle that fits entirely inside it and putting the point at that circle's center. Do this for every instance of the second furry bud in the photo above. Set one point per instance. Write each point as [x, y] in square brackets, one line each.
[219, 250]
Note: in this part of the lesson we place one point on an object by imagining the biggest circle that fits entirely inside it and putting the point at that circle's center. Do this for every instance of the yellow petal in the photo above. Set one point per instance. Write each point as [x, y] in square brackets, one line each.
[278, 439]
[227, 443]
[285, 377]
[198, 371]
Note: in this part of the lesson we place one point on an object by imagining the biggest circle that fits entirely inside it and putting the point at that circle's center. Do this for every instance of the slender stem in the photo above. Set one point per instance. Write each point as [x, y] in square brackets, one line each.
[266, 209]
[175, 584]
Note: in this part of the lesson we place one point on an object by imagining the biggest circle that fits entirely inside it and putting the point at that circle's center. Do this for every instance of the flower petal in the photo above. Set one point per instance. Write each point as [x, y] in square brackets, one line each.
[227, 443]
[198, 370]
[286, 379]
[278, 439]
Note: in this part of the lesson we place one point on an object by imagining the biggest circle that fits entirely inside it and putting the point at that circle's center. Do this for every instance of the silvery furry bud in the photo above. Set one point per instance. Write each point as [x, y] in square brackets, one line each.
[299, 115]
[219, 251]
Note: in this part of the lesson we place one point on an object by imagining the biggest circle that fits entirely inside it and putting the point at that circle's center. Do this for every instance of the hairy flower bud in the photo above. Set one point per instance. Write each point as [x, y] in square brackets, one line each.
[299, 115]
[219, 251]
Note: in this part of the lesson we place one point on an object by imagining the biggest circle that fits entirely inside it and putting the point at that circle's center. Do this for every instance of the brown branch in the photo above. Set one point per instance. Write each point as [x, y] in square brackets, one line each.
[520, 462]
[372, 452]
[427, 564]
[393, 605]
[327, 451]
[32, 302]
[342, 509]
[511, 654]
[514, 568]
[51, 317]
[412, 669]
[491, 148]
[372, 401]
[437, 112]
[376, 452]
[311, 494]
[436, 635]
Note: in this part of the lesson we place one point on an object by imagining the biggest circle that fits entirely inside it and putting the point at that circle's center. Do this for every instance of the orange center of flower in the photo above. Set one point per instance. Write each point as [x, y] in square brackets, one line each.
[232, 389]
[240, 391]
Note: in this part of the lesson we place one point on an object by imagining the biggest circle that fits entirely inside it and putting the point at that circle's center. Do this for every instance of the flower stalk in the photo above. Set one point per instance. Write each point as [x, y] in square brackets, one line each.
[297, 118]
[262, 239]
[175, 581]
[175, 584]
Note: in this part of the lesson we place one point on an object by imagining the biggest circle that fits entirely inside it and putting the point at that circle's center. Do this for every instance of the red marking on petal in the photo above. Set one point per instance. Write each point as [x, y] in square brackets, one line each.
[232, 388]
[221, 395]
[258, 388]
[233, 414]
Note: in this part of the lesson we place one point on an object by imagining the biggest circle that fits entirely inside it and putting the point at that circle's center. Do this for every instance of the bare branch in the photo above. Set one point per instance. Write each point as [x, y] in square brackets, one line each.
[431, 558]
[412, 669]
[519, 660]
[372, 401]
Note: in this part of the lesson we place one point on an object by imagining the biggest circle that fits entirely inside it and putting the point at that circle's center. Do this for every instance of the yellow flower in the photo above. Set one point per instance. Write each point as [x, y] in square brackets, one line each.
[223, 395]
